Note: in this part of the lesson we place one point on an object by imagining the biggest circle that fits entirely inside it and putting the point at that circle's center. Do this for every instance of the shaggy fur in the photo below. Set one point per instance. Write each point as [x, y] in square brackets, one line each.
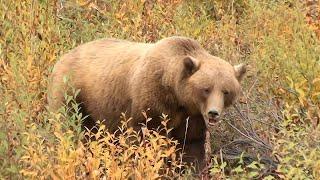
[174, 76]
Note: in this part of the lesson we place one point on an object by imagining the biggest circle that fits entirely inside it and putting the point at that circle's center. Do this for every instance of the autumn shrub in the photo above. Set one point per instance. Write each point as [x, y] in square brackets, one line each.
[288, 55]
[62, 150]
[285, 56]
[277, 39]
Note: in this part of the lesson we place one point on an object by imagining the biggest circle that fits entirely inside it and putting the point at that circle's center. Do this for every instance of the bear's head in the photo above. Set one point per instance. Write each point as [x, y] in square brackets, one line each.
[203, 84]
[208, 85]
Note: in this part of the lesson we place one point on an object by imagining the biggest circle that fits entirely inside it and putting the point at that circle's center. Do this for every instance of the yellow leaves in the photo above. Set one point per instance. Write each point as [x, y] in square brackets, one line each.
[111, 156]
[304, 97]
[92, 166]
[316, 80]
[301, 96]
[28, 173]
[35, 34]
[169, 152]
[316, 96]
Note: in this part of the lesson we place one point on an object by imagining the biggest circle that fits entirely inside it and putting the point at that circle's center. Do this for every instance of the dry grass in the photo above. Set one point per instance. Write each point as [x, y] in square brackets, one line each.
[279, 107]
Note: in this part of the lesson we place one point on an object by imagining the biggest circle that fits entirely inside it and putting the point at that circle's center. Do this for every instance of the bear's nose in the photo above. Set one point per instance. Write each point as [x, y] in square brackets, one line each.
[213, 114]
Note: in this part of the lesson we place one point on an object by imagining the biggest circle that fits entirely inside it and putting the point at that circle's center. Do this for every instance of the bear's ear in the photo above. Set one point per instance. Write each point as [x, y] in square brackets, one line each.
[240, 70]
[191, 65]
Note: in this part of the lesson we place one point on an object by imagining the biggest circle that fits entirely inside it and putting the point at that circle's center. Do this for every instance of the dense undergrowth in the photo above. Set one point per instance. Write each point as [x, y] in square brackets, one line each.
[278, 39]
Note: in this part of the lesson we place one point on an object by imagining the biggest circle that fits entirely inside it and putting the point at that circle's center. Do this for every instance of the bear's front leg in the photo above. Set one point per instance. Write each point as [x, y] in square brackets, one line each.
[194, 152]
[191, 135]
[175, 122]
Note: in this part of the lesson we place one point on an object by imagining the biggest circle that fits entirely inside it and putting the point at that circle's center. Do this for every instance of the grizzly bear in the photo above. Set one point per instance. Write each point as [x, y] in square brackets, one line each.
[174, 76]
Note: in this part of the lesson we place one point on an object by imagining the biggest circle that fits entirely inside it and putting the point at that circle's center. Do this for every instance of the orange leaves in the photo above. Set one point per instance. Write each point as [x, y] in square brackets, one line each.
[110, 156]
[128, 155]
[270, 36]
[313, 15]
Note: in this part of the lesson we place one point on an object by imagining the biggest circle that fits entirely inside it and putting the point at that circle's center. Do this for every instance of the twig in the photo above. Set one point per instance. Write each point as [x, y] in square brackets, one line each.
[250, 89]
[185, 135]
[184, 141]
[207, 155]
[268, 124]
[221, 158]
[249, 137]
[243, 117]
[252, 132]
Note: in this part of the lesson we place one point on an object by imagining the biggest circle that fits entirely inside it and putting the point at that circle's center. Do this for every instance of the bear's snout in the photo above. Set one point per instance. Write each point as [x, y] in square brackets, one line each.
[213, 114]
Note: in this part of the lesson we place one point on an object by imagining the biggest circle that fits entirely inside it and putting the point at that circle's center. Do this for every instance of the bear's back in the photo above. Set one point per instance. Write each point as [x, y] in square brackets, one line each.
[101, 69]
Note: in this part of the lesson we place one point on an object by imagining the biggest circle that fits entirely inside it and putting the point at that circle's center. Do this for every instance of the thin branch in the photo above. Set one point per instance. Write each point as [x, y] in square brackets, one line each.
[184, 141]
[249, 137]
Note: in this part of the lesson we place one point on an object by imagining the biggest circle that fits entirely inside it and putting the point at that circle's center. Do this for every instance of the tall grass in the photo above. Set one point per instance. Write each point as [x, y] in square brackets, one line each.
[276, 39]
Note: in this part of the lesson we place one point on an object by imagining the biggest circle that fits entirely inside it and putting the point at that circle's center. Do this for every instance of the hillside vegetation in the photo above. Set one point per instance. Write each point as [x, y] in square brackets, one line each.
[278, 113]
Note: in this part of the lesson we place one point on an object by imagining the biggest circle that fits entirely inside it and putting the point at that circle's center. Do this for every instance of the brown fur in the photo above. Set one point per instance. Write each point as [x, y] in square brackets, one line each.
[174, 76]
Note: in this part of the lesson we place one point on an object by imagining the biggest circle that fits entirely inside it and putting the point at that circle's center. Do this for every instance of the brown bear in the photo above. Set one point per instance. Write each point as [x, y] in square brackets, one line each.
[174, 76]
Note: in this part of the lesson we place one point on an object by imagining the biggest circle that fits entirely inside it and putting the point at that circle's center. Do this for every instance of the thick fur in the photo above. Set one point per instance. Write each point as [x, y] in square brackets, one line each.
[174, 76]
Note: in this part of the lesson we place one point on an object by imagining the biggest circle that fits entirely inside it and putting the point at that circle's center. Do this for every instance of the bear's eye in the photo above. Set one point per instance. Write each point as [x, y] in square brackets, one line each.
[206, 90]
[225, 92]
